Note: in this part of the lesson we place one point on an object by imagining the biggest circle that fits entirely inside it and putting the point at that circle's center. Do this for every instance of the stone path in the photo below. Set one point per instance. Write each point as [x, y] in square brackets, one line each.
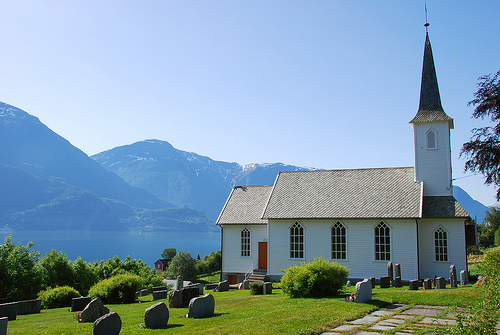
[399, 320]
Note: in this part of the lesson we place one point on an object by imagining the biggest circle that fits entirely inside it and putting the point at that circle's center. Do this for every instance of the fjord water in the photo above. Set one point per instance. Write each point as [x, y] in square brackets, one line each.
[96, 246]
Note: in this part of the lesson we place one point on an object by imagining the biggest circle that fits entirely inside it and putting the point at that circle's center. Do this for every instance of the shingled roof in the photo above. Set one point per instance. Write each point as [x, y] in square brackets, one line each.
[360, 193]
[443, 207]
[430, 108]
[245, 205]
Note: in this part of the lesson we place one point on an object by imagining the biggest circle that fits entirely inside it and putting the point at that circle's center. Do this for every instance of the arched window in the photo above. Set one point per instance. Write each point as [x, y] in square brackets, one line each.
[297, 241]
[441, 245]
[339, 241]
[245, 243]
[431, 139]
[382, 242]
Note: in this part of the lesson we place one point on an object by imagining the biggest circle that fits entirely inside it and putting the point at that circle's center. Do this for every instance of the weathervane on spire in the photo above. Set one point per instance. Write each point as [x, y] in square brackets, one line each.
[426, 25]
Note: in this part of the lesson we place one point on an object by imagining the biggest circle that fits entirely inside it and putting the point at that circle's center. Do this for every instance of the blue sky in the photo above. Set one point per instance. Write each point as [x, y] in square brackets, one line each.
[326, 84]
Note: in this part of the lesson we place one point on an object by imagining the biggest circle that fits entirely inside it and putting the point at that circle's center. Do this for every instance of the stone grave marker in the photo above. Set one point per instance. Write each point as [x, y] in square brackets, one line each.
[10, 310]
[440, 283]
[175, 299]
[363, 291]
[223, 286]
[189, 292]
[78, 304]
[32, 306]
[390, 271]
[348, 284]
[211, 287]
[413, 285]
[156, 316]
[372, 280]
[246, 284]
[180, 282]
[397, 282]
[397, 270]
[3, 325]
[463, 278]
[157, 295]
[108, 324]
[385, 282]
[453, 276]
[202, 307]
[428, 284]
[93, 311]
[267, 288]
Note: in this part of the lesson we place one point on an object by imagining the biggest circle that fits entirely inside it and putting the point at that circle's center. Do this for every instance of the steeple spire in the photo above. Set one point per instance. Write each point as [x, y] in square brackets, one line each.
[430, 108]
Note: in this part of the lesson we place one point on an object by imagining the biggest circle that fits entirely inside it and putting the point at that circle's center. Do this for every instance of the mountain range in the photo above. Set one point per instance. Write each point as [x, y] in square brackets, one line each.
[47, 183]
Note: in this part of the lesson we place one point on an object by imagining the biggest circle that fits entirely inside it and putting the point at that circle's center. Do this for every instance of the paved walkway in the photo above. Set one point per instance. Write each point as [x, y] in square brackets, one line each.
[399, 319]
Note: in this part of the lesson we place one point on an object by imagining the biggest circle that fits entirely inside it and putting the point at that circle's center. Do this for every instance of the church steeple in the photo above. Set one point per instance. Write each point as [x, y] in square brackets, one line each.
[430, 108]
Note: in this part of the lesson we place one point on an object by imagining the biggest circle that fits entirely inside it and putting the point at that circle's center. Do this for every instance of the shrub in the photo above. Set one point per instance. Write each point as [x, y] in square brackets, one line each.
[256, 288]
[117, 289]
[60, 296]
[319, 278]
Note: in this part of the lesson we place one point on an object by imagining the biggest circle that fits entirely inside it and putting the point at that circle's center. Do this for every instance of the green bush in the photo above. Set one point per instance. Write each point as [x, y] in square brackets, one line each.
[319, 278]
[117, 289]
[60, 296]
[256, 288]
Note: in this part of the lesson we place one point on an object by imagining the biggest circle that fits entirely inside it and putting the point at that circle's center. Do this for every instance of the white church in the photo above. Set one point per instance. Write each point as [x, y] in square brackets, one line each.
[359, 218]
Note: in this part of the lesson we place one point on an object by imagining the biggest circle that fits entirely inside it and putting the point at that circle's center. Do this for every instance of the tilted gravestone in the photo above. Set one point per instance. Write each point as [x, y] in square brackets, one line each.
[157, 295]
[108, 324]
[385, 282]
[93, 311]
[397, 270]
[10, 310]
[202, 307]
[175, 299]
[156, 316]
[464, 280]
[390, 272]
[453, 276]
[3, 325]
[428, 284]
[397, 282]
[223, 286]
[413, 285]
[440, 283]
[363, 291]
[372, 280]
[78, 304]
[29, 306]
[267, 288]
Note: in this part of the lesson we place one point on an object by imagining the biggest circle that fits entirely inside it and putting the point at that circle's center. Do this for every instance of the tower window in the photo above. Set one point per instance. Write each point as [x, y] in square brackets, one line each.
[431, 139]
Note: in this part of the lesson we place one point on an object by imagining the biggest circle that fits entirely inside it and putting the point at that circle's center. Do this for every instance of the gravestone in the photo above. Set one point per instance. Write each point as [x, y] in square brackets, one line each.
[78, 304]
[397, 270]
[246, 284]
[199, 286]
[202, 307]
[180, 282]
[29, 307]
[440, 283]
[363, 291]
[157, 295]
[144, 292]
[397, 282]
[3, 325]
[385, 282]
[267, 288]
[463, 278]
[428, 284]
[372, 280]
[390, 272]
[156, 316]
[413, 285]
[453, 276]
[348, 284]
[108, 324]
[93, 311]
[211, 287]
[175, 299]
[160, 288]
[223, 286]
[189, 292]
[10, 310]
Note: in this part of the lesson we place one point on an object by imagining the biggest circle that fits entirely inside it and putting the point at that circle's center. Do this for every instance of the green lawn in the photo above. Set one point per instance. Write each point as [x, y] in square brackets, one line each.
[239, 312]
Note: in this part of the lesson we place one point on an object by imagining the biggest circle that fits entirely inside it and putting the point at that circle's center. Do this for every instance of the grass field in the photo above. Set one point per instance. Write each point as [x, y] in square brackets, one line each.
[238, 312]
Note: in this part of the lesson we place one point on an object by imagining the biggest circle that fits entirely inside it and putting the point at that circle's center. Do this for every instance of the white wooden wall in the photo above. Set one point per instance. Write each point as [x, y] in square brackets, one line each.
[231, 247]
[433, 166]
[360, 246]
[456, 247]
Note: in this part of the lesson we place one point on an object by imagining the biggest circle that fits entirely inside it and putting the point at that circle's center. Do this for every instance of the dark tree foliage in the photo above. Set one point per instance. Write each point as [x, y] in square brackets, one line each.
[169, 253]
[483, 149]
